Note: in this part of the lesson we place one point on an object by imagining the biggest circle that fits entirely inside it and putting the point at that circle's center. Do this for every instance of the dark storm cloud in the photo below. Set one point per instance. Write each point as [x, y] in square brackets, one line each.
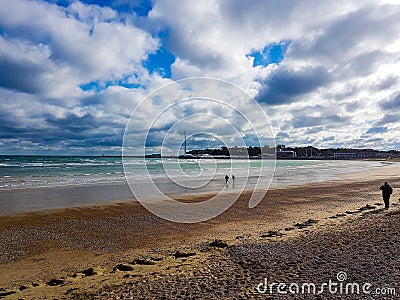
[73, 123]
[386, 83]
[391, 104]
[18, 127]
[317, 119]
[22, 76]
[163, 128]
[86, 130]
[388, 118]
[11, 131]
[153, 140]
[284, 86]
[311, 121]
[100, 140]
[69, 131]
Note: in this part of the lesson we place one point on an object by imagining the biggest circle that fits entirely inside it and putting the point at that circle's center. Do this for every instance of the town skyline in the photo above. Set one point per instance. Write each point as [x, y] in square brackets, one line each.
[283, 151]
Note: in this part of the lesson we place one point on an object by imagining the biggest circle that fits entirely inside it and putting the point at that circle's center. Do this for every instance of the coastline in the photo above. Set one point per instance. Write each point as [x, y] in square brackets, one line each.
[61, 243]
[23, 200]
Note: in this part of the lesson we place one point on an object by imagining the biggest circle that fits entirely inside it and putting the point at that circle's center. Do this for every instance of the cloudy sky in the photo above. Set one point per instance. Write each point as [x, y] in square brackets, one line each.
[326, 73]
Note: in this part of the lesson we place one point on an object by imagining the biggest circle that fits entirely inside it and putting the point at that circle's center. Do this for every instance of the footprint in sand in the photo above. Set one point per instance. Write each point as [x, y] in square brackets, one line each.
[367, 207]
[123, 268]
[56, 281]
[219, 244]
[272, 233]
[308, 223]
[180, 254]
[145, 262]
[340, 215]
[4, 293]
[89, 272]
[361, 209]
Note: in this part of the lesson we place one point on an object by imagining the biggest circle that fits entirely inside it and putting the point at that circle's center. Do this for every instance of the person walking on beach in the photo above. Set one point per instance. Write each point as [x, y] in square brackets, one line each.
[226, 179]
[386, 192]
[233, 179]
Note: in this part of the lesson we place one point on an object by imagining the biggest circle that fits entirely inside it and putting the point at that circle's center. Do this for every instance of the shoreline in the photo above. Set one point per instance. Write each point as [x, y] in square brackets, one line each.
[61, 243]
[17, 201]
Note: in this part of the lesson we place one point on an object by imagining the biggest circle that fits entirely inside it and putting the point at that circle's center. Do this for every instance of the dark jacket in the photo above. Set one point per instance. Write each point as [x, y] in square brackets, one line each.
[386, 190]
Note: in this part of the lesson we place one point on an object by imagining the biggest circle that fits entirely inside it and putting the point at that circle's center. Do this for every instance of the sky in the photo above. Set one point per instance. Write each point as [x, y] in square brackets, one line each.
[326, 73]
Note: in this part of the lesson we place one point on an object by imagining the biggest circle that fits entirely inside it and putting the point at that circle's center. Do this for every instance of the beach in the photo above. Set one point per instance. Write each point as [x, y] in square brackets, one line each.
[35, 183]
[305, 233]
[212, 149]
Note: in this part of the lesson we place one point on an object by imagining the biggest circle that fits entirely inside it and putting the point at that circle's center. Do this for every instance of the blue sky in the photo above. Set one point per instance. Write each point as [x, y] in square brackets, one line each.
[72, 72]
[270, 54]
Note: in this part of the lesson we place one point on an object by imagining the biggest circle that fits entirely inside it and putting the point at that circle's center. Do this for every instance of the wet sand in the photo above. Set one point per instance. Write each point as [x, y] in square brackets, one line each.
[36, 199]
[298, 234]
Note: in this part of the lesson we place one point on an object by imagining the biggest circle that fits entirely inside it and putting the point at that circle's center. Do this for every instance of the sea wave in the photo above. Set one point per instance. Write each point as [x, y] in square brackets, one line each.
[35, 172]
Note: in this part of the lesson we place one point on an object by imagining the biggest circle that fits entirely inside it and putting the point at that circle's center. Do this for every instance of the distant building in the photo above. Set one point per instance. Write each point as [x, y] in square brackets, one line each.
[367, 153]
[345, 155]
[382, 154]
[281, 151]
[154, 155]
[238, 152]
[285, 154]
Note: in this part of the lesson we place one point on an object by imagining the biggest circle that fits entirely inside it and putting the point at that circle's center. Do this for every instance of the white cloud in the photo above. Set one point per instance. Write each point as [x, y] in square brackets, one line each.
[337, 50]
[340, 69]
[65, 47]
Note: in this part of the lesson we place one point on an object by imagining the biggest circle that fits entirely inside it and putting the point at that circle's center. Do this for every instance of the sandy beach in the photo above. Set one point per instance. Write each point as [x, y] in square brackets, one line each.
[121, 251]
[212, 149]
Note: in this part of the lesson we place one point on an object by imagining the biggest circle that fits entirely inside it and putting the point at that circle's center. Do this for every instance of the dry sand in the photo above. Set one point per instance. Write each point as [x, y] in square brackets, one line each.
[298, 234]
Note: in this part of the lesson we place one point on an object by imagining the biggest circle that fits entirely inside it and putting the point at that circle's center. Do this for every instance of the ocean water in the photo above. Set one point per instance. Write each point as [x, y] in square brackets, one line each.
[20, 172]
[29, 183]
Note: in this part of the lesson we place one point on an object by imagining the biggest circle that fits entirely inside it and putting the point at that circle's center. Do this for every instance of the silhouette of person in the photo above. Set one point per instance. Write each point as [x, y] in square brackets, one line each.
[226, 179]
[233, 179]
[386, 192]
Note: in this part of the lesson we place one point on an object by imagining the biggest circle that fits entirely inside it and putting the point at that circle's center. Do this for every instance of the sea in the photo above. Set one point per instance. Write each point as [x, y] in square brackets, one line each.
[30, 183]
